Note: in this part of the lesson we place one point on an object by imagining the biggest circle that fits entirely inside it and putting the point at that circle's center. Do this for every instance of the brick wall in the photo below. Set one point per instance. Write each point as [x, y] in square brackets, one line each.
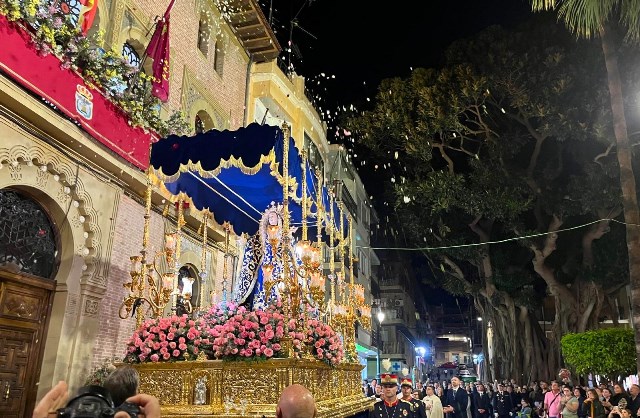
[115, 332]
[228, 90]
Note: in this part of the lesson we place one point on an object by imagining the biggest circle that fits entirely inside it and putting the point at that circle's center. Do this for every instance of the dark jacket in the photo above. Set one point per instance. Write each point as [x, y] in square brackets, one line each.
[457, 399]
[481, 401]
[502, 404]
[596, 412]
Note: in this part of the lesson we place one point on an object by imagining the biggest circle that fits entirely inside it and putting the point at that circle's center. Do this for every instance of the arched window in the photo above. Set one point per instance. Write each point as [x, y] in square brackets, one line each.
[27, 239]
[188, 272]
[131, 55]
[199, 125]
[204, 34]
[203, 122]
[218, 58]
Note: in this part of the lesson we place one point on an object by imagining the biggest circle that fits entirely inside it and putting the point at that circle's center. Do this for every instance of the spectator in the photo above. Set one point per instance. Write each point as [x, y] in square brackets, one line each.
[296, 402]
[122, 383]
[592, 407]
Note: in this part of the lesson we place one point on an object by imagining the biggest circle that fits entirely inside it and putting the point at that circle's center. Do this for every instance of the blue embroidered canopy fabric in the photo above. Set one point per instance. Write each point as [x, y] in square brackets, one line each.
[230, 173]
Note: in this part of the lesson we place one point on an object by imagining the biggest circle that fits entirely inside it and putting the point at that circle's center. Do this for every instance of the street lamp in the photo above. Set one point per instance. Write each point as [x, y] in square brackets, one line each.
[380, 316]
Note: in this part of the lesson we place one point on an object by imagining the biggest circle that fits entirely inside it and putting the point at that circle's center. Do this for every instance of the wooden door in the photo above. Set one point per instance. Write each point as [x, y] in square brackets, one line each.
[25, 306]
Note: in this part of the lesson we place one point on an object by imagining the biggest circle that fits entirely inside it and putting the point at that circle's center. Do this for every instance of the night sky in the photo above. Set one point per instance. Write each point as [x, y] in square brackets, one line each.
[361, 43]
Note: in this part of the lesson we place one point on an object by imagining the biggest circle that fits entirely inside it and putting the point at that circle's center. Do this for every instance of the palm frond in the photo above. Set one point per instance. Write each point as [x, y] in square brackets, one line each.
[630, 19]
[542, 5]
[586, 18]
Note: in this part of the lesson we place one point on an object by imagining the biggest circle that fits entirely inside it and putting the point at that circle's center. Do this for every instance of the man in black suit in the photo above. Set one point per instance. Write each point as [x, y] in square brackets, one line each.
[455, 400]
[502, 406]
[481, 403]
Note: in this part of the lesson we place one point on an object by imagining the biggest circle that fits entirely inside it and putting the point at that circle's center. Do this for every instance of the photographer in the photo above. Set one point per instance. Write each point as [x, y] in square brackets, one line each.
[57, 398]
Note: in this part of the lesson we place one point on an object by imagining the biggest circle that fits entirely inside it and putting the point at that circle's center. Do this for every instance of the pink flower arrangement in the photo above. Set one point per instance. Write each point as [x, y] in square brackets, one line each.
[238, 333]
[168, 339]
[322, 341]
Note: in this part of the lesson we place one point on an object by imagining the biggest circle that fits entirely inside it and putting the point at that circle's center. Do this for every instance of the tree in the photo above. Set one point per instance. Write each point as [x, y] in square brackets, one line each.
[592, 18]
[509, 138]
[608, 352]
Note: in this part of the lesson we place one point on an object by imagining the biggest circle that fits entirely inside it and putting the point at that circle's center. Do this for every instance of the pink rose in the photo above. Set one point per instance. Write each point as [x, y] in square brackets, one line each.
[269, 334]
[268, 352]
[182, 347]
[176, 353]
[276, 347]
[171, 336]
[166, 356]
[154, 358]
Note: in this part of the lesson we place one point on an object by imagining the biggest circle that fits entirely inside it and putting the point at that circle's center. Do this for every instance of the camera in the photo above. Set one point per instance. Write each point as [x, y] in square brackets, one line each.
[95, 402]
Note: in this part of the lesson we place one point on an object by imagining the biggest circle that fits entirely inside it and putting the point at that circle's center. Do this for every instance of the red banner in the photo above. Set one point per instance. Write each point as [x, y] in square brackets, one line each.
[67, 90]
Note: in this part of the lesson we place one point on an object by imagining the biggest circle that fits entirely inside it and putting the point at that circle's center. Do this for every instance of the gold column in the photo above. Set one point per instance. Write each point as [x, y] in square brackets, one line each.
[304, 196]
[144, 251]
[203, 258]
[319, 210]
[287, 308]
[176, 269]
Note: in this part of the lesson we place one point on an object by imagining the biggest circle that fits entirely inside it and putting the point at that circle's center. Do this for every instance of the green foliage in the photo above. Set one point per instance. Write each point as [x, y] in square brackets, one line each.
[123, 84]
[606, 351]
[513, 129]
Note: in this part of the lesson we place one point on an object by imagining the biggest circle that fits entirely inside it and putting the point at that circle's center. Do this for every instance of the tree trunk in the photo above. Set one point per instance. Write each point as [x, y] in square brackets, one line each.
[627, 179]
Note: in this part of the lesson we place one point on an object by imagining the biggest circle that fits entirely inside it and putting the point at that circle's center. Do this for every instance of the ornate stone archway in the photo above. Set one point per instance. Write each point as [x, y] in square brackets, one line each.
[82, 206]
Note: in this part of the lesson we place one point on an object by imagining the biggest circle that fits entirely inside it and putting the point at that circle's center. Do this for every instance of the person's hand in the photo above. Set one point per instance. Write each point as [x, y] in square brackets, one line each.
[481, 410]
[54, 399]
[495, 414]
[149, 406]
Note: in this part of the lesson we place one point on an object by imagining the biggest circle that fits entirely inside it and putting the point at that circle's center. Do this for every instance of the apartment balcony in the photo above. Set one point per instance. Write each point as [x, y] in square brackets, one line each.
[393, 349]
[67, 92]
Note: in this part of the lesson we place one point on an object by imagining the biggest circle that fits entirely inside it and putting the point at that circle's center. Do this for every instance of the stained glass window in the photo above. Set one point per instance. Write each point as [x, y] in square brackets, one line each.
[71, 9]
[130, 54]
[27, 240]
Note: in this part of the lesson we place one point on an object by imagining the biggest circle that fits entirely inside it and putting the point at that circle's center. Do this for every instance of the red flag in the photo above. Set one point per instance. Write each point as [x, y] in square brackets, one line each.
[87, 15]
[158, 50]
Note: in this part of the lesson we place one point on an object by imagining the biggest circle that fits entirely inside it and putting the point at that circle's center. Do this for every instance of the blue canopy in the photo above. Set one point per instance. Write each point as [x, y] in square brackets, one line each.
[234, 174]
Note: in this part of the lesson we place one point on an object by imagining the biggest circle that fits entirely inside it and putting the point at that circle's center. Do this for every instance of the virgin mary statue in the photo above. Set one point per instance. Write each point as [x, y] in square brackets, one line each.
[258, 253]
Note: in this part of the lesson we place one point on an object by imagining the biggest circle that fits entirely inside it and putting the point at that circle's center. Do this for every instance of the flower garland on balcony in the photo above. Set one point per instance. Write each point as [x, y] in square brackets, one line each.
[123, 84]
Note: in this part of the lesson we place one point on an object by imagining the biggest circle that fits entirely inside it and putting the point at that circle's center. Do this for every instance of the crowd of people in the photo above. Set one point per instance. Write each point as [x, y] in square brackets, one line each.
[401, 398]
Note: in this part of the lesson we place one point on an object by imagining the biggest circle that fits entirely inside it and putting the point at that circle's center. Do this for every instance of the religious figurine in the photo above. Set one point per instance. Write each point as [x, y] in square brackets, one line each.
[200, 393]
[264, 248]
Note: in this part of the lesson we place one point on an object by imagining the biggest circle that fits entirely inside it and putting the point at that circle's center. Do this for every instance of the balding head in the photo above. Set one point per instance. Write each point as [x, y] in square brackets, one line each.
[296, 402]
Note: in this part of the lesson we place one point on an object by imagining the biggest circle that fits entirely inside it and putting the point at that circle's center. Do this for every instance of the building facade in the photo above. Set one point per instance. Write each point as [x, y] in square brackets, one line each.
[71, 197]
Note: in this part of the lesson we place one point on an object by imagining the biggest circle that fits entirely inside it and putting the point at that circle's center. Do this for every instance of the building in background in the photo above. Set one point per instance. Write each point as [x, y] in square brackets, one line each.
[353, 197]
[406, 341]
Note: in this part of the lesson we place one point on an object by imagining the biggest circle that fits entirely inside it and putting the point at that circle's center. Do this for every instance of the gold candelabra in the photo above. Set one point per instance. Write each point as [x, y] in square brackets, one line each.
[148, 284]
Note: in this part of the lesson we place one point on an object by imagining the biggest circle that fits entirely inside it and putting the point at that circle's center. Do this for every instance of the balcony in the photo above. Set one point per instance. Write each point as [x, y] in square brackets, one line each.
[95, 110]
[393, 349]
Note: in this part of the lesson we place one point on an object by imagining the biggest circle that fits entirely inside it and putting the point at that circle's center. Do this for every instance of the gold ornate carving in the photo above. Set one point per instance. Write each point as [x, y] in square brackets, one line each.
[241, 389]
